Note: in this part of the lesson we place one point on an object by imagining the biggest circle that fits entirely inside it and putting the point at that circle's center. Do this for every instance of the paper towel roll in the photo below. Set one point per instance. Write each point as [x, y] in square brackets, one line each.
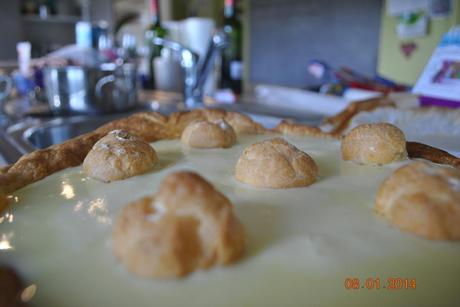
[195, 34]
[168, 74]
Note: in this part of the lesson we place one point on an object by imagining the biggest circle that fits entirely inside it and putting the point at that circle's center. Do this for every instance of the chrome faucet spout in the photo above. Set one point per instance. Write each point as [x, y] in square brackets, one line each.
[196, 70]
[205, 65]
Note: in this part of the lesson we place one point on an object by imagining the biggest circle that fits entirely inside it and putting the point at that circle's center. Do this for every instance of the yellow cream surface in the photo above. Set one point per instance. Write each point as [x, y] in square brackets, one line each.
[303, 243]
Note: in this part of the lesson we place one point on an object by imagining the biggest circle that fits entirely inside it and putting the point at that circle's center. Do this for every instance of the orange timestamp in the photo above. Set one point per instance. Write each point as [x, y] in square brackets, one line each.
[377, 283]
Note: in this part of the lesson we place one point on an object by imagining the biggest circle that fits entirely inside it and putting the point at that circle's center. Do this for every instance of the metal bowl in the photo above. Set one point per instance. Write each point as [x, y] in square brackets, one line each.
[106, 89]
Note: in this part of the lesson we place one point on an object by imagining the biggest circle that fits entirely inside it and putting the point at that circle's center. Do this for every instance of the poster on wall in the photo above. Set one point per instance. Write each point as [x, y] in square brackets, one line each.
[439, 8]
[412, 25]
[441, 76]
[400, 7]
[434, 8]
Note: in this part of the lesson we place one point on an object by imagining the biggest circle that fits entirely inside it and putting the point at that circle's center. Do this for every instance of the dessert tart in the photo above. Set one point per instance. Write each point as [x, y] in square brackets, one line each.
[306, 245]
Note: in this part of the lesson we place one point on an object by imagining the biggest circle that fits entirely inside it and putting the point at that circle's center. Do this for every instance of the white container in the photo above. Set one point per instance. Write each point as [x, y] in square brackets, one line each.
[83, 34]
[24, 55]
[168, 73]
[196, 33]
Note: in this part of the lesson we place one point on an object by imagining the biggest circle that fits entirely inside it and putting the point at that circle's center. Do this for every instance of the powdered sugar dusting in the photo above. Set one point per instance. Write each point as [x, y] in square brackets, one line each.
[435, 170]
[223, 124]
[160, 210]
[101, 146]
[454, 183]
[122, 135]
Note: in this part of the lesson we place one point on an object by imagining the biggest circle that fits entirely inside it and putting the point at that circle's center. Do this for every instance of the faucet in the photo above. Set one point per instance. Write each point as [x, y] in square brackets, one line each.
[6, 87]
[196, 69]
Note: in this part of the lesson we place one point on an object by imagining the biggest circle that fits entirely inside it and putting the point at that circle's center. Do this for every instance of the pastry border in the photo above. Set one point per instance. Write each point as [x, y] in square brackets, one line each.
[153, 126]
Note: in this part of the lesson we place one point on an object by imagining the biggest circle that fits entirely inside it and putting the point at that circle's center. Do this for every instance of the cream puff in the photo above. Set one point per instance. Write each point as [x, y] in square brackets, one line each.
[209, 134]
[188, 225]
[424, 199]
[374, 144]
[275, 164]
[119, 155]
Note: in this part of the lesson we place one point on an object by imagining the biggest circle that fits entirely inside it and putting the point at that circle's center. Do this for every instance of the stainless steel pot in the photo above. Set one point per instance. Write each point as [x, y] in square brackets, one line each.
[6, 86]
[108, 88]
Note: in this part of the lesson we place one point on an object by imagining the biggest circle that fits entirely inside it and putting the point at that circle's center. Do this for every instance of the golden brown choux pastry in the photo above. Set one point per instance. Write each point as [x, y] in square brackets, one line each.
[275, 164]
[424, 199]
[11, 288]
[186, 226]
[374, 144]
[3, 201]
[119, 155]
[207, 134]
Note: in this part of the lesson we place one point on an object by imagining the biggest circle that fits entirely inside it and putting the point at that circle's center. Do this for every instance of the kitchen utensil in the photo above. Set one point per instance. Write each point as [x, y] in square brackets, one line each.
[105, 89]
[6, 86]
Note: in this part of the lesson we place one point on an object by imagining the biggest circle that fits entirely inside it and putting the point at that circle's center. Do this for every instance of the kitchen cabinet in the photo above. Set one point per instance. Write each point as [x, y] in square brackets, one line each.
[46, 34]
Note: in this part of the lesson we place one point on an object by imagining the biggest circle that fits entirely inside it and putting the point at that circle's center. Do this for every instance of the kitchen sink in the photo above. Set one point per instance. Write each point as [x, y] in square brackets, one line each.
[32, 134]
[58, 131]
[27, 136]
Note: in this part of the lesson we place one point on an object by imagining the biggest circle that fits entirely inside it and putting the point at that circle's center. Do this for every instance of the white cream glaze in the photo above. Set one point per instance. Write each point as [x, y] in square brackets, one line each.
[302, 243]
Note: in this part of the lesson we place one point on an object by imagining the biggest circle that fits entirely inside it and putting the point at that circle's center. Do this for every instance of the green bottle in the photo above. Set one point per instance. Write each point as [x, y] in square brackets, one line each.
[154, 30]
[232, 65]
